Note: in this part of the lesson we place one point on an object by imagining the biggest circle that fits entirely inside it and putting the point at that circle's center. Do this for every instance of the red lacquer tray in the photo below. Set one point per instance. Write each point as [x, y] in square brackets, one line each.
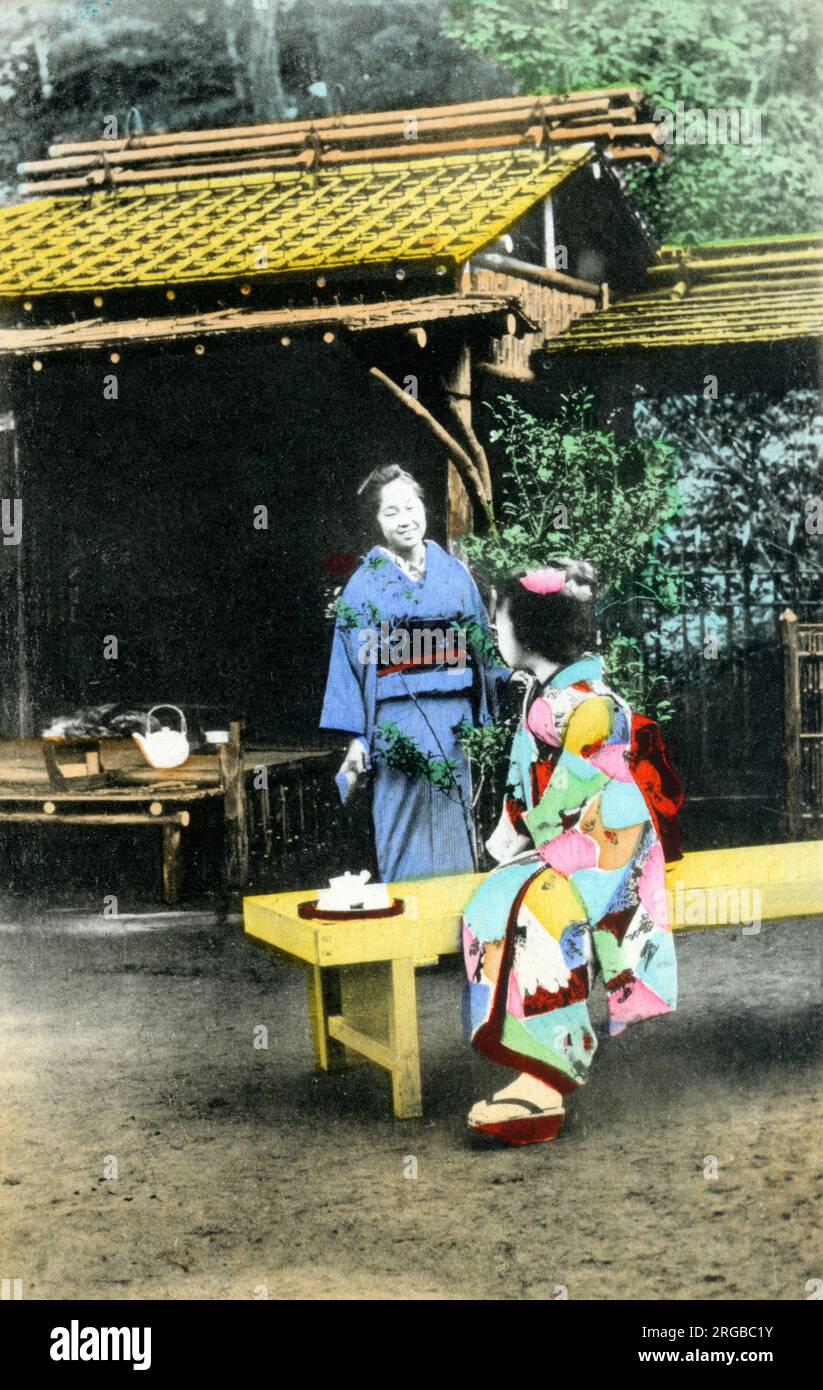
[310, 911]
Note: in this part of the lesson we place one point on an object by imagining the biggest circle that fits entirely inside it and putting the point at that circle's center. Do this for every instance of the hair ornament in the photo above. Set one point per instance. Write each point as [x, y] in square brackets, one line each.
[544, 581]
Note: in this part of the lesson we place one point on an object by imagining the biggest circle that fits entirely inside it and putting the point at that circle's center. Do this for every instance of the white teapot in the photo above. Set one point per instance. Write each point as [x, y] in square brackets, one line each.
[353, 893]
[164, 747]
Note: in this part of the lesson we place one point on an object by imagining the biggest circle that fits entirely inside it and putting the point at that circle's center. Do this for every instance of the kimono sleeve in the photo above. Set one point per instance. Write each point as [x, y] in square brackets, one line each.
[575, 779]
[344, 704]
[507, 837]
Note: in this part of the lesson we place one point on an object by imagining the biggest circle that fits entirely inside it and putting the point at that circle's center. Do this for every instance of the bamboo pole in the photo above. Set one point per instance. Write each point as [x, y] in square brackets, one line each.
[652, 153]
[176, 818]
[734, 262]
[290, 137]
[791, 721]
[114, 175]
[465, 465]
[232, 777]
[537, 274]
[306, 159]
[353, 318]
[325, 124]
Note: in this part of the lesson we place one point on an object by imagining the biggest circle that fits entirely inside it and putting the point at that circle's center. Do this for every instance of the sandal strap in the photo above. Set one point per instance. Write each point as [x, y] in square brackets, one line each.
[527, 1105]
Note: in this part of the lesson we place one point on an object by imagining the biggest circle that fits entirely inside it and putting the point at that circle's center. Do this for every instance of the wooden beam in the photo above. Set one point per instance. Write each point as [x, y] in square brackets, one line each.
[171, 870]
[232, 778]
[791, 721]
[51, 817]
[456, 383]
[343, 1032]
[598, 99]
[522, 375]
[465, 465]
[537, 274]
[291, 139]
[353, 318]
[15, 708]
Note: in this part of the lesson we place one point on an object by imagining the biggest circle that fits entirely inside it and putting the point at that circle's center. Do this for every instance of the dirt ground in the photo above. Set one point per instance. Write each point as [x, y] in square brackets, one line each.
[243, 1174]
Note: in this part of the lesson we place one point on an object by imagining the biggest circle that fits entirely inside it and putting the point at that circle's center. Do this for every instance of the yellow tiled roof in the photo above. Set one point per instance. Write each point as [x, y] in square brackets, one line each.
[739, 292]
[439, 208]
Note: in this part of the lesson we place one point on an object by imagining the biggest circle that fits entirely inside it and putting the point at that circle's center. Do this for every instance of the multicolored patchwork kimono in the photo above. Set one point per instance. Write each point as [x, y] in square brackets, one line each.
[590, 784]
[419, 829]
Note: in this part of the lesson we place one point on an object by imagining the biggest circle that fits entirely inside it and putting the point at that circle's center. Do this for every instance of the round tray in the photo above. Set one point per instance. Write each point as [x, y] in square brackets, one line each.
[312, 913]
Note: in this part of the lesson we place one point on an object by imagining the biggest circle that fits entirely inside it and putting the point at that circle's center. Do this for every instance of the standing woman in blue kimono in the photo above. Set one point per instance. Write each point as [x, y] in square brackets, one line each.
[413, 586]
[588, 823]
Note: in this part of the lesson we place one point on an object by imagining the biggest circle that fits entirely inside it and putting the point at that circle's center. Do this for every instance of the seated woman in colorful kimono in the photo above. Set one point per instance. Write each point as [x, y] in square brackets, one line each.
[580, 888]
[411, 650]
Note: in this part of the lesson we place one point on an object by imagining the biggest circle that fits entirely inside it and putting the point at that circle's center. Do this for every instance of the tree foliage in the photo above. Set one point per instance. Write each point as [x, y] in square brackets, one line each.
[752, 468]
[67, 65]
[570, 487]
[757, 54]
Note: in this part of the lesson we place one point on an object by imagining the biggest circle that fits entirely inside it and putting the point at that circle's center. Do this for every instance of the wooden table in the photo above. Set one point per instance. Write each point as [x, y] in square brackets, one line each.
[106, 782]
[360, 976]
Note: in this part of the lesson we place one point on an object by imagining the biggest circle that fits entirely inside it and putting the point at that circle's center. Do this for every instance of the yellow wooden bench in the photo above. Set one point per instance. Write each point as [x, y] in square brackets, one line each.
[361, 975]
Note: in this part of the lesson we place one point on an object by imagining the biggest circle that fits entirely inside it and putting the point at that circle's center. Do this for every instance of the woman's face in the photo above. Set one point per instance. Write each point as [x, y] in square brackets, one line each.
[401, 516]
[507, 644]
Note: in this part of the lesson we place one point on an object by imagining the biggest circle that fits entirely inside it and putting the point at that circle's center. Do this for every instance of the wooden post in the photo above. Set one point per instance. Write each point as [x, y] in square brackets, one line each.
[457, 384]
[791, 721]
[171, 863]
[469, 463]
[14, 663]
[407, 1100]
[233, 781]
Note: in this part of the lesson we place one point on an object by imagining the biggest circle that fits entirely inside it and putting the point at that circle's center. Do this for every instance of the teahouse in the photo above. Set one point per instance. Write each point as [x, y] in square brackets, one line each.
[208, 336]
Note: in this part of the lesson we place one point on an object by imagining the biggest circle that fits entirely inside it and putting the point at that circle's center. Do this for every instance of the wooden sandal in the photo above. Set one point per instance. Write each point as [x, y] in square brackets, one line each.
[535, 1127]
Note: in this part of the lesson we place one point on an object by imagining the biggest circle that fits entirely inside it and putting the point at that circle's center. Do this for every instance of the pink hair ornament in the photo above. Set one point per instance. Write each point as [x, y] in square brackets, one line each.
[544, 581]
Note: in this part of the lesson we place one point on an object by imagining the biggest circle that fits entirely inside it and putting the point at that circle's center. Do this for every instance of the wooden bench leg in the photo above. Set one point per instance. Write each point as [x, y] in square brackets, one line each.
[171, 863]
[375, 1020]
[323, 997]
[404, 1041]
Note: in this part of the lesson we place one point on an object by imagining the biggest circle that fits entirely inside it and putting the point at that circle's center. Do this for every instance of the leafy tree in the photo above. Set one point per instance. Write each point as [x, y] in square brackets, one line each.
[751, 482]
[570, 487]
[67, 65]
[757, 54]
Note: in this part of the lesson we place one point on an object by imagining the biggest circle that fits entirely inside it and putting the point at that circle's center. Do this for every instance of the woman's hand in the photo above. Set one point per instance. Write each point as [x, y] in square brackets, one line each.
[356, 760]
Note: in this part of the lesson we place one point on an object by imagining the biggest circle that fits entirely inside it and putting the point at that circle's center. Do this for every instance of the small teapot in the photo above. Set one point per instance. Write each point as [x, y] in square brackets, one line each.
[164, 747]
[345, 893]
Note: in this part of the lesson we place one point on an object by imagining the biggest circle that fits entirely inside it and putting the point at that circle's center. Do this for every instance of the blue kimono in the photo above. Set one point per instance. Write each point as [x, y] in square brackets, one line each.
[421, 688]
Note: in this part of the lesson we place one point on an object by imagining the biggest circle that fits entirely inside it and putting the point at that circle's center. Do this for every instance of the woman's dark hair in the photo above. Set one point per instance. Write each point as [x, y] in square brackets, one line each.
[368, 493]
[560, 625]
